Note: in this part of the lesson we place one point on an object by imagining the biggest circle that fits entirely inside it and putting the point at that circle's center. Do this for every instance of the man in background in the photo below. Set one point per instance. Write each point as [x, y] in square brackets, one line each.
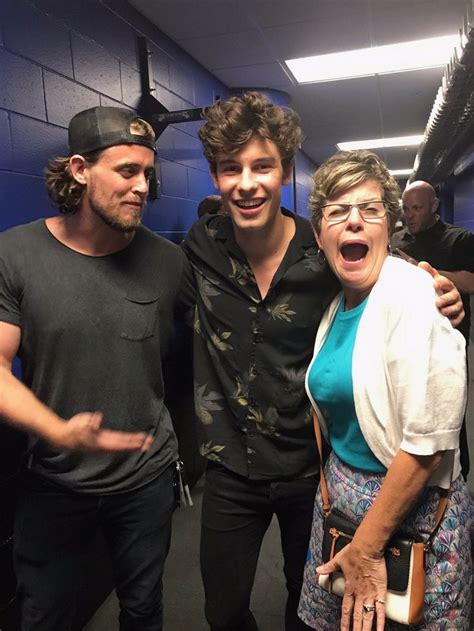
[447, 248]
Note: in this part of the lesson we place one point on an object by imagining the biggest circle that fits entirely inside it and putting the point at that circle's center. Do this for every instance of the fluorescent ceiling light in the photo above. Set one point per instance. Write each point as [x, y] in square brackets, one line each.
[364, 62]
[381, 143]
[400, 172]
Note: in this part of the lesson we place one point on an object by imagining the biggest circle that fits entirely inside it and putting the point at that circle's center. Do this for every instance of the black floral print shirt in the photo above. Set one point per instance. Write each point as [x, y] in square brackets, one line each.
[251, 355]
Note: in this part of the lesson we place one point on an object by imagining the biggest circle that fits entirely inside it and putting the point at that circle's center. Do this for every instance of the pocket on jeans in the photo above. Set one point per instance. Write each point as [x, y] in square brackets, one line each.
[139, 317]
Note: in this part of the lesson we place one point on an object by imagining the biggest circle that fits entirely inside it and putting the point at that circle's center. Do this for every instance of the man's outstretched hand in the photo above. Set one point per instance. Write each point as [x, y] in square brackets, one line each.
[83, 432]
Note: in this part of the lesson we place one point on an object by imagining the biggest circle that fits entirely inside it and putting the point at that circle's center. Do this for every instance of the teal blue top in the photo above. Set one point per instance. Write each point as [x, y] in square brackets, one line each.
[330, 383]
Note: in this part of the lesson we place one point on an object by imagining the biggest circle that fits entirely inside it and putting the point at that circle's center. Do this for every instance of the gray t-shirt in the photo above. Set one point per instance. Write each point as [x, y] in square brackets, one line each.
[94, 331]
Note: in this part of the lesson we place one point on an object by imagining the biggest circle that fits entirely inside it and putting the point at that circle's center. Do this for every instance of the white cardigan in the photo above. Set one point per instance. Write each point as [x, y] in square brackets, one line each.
[408, 371]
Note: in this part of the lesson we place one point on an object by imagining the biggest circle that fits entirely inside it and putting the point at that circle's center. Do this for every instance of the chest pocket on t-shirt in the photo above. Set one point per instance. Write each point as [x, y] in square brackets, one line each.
[139, 317]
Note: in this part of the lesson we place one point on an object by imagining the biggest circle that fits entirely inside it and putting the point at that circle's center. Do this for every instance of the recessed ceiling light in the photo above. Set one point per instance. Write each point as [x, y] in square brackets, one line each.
[381, 143]
[400, 172]
[421, 53]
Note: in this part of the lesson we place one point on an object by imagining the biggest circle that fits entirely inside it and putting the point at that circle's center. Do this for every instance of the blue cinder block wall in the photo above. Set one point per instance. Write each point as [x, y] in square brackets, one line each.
[457, 198]
[61, 56]
[304, 169]
[463, 203]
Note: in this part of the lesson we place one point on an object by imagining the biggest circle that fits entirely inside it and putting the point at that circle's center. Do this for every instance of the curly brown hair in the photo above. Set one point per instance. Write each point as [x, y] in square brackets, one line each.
[63, 190]
[232, 123]
[346, 169]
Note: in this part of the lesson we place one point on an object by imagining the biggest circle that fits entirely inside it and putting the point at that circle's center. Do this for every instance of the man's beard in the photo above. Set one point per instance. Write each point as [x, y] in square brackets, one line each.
[115, 221]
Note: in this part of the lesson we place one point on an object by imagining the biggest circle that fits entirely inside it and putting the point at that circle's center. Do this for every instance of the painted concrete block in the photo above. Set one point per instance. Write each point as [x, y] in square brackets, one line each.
[5, 142]
[159, 65]
[131, 85]
[200, 185]
[165, 144]
[181, 82]
[173, 179]
[23, 198]
[187, 210]
[187, 149]
[95, 67]
[97, 22]
[21, 86]
[163, 215]
[34, 143]
[65, 98]
[32, 34]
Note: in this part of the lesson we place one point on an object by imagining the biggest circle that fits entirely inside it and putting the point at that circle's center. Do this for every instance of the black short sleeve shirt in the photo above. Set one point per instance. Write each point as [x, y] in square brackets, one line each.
[94, 332]
[251, 355]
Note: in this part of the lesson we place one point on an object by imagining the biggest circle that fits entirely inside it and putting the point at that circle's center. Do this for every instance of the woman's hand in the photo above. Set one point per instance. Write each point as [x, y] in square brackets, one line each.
[365, 577]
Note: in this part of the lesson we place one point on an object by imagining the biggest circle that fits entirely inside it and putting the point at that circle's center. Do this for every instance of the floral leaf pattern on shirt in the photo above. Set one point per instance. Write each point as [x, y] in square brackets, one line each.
[241, 391]
[281, 310]
[253, 309]
[241, 273]
[205, 403]
[208, 450]
[265, 423]
[219, 340]
[206, 291]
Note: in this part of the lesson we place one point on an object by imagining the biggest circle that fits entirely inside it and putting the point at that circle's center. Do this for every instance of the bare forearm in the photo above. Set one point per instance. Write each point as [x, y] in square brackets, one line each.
[406, 478]
[20, 407]
[463, 280]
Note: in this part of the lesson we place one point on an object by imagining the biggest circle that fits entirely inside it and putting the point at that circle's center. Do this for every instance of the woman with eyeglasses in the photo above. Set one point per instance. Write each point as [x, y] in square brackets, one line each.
[387, 381]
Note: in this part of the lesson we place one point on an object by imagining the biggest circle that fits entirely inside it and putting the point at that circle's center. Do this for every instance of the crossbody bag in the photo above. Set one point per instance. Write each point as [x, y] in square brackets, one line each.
[405, 555]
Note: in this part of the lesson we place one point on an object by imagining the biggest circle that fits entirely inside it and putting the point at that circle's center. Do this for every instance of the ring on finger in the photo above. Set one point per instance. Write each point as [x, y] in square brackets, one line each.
[368, 608]
[380, 601]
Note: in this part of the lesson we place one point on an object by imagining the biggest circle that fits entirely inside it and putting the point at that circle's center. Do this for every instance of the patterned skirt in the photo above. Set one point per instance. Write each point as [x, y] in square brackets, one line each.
[449, 571]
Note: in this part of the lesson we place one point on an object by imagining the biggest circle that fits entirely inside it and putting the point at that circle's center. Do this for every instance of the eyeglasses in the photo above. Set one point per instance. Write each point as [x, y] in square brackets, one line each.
[369, 211]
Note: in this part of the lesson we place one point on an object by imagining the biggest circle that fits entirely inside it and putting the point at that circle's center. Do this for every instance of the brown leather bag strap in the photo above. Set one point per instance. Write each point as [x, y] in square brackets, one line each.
[322, 479]
[441, 509]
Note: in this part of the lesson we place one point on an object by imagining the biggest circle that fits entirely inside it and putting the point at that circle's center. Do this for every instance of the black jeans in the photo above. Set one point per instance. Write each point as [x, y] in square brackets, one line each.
[53, 528]
[236, 513]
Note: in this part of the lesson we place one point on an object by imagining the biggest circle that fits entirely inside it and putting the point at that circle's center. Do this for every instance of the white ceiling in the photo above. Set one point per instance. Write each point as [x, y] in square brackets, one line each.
[244, 42]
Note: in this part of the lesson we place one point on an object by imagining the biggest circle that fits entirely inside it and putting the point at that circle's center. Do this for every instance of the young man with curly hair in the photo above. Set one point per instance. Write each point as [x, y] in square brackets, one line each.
[261, 294]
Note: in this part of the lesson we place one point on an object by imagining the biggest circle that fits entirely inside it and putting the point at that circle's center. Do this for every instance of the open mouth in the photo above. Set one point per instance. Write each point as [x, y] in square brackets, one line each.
[249, 204]
[354, 252]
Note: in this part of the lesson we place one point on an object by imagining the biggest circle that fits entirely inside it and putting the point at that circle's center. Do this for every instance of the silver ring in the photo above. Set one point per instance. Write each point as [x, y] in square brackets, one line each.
[379, 600]
[368, 608]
